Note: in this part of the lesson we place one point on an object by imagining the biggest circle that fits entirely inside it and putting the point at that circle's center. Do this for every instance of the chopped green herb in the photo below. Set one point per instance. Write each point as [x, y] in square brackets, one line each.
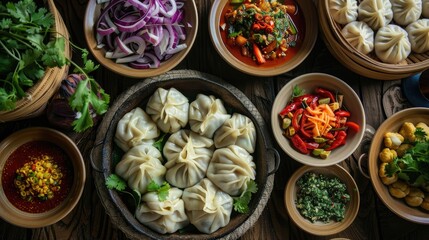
[321, 198]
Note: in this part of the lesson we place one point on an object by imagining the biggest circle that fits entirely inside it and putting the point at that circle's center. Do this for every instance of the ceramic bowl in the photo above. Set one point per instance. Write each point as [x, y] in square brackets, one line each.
[393, 124]
[310, 35]
[309, 82]
[321, 228]
[12, 214]
[92, 14]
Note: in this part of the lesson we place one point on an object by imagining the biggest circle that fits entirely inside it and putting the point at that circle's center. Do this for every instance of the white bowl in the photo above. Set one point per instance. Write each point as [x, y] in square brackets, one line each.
[309, 82]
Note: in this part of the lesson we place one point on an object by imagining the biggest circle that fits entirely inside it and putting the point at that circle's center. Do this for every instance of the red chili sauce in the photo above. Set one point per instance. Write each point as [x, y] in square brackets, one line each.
[24, 154]
[297, 18]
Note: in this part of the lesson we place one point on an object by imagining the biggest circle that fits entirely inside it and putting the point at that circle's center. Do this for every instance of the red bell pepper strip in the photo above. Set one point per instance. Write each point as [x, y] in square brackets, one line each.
[289, 108]
[258, 54]
[299, 144]
[342, 113]
[325, 93]
[301, 129]
[295, 119]
[339, 140]
[308, 97]
[353, 126]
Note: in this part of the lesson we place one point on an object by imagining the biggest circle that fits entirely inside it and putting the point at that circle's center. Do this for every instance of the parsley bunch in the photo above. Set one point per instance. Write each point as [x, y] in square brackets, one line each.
[28, 48]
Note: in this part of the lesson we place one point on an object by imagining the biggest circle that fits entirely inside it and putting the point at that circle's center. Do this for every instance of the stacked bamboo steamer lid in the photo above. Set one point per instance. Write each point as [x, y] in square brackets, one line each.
[40, 93]
[366, 65]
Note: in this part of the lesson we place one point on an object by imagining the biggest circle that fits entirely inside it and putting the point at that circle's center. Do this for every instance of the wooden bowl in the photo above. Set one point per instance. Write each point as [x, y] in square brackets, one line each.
[320, 228]
[21, 218]
[189, 83]
[309, 82]
[366, 65]
[45, 88]
[393, 124]
[310, 37]
[92, 14]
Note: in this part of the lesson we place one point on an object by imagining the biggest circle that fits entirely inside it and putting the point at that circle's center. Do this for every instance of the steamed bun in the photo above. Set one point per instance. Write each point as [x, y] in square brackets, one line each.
[392, 44]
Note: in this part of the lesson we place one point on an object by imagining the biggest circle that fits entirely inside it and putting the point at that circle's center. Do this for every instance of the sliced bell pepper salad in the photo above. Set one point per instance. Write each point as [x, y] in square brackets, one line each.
[318, 122]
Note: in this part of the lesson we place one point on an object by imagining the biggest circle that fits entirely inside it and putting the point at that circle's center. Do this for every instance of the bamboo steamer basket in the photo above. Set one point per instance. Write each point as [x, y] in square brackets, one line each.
[366, 65]
[39, 94]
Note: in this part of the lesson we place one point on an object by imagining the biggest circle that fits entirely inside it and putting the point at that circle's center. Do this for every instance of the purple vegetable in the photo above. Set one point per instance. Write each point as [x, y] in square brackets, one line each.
[141, 33]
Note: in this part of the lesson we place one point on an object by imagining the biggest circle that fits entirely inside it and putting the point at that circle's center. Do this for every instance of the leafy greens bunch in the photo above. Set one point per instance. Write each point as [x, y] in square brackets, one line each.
[28, 49]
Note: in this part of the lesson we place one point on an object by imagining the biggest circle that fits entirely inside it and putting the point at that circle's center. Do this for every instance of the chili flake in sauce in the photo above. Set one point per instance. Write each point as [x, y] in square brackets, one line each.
[25, 154]
[321, 198]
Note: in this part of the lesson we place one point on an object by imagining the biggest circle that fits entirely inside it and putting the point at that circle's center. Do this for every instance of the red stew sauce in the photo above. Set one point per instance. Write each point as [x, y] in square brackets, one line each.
[26, 153]
[298, 19]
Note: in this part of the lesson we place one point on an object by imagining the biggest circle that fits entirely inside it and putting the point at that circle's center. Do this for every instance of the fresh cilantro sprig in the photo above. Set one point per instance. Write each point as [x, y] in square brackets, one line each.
[241, 204]
[161, 190]
[114, 181]
[88, 94]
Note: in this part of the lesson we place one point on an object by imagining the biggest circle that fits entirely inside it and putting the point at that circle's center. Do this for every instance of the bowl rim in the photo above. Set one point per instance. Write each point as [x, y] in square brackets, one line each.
[36, 220]
[89, 24]
[381, 189]
[284, 143]
[307, 45]
[306, 225]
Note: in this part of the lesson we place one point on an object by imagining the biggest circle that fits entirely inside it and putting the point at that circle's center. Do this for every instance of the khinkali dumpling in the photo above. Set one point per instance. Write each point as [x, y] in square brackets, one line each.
[168, 109]
[207, 206]
[343, 11]
[231, 168]
[188, 155]
[135, 128]
[376, 13]
[360, 36]
[418, 33]
[140, 165]
[206, 115]
[238, 130]
[425, 8]
[406, 11]
[392, 44]
[166, 216]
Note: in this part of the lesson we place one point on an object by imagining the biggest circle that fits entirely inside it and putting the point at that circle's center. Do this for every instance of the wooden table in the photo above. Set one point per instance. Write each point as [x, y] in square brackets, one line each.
[89, 220]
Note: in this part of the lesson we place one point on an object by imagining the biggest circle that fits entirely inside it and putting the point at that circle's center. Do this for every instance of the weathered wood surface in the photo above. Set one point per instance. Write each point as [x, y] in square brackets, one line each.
[89, 220]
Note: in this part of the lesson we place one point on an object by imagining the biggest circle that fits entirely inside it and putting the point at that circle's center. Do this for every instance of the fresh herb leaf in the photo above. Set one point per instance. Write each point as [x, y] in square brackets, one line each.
[297, 91]
[159, 144]
[113, 181]
[241, 204]
[420, 134]
[162, 191]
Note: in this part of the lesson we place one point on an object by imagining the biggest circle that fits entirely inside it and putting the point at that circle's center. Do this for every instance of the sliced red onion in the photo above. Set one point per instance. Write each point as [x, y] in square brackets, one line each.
[141, 33]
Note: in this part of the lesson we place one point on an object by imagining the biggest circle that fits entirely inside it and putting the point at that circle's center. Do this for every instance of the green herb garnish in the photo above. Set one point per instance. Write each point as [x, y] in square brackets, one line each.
[241, 204]
[162, 190]
[321, 198]
[113, 181]
[27, 49]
